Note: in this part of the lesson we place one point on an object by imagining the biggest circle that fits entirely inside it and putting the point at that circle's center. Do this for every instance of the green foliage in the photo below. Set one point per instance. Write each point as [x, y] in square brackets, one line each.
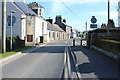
[109, 45]
[14, 51]
[17, 43]
[83, 35]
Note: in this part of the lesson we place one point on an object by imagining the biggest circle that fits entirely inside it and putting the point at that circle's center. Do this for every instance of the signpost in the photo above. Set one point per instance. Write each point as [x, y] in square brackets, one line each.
[11, 20]
[93, 20]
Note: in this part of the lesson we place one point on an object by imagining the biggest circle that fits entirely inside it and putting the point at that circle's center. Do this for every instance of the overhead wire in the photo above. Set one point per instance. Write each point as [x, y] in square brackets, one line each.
[70, 10]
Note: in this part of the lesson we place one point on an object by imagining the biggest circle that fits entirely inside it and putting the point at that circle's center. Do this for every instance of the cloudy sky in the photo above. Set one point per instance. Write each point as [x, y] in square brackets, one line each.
[77, 12]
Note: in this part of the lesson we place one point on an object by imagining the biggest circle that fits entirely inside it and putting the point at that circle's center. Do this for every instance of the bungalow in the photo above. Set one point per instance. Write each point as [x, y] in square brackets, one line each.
[54, 32]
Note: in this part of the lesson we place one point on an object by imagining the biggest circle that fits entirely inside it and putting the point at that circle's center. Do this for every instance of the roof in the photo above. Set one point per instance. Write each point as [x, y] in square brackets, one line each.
[35, 5]
[53, 27]
[24, 8]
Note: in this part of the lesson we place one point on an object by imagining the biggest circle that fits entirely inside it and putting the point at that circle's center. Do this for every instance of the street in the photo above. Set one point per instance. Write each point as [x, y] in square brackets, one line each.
[48, 61]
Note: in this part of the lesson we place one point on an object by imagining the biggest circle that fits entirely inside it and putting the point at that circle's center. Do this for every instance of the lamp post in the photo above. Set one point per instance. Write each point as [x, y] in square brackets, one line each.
[11, 24]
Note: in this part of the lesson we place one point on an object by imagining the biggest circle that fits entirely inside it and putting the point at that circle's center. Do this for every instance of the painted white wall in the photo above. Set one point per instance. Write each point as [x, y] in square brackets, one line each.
[23, 28]
[18, 25]
[74, 34]
[0, 18]
[38, 29]
[45, 27]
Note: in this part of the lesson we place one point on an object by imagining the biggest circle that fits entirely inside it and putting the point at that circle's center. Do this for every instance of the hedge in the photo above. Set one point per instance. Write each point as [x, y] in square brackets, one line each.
[16, 42]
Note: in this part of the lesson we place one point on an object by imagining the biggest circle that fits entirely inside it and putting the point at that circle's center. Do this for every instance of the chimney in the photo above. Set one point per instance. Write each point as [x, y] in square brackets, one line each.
[50, 20]
[64, 20]
[58, 19]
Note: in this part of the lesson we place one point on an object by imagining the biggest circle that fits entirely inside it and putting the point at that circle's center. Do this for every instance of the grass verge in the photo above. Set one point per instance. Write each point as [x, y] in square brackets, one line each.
[14, 51]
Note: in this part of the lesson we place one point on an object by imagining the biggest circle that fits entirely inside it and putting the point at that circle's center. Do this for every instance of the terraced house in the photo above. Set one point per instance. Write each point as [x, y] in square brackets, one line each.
[30, 25]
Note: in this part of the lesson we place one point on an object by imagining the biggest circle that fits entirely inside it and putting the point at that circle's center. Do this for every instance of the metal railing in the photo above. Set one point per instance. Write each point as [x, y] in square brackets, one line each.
[70, 62]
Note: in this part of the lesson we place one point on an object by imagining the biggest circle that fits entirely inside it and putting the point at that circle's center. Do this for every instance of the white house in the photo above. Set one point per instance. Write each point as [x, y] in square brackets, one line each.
[74, 34]
[119, 14]
[44, 29]
[38, 9]
[19, 27]
[54, 32]
[28, 25]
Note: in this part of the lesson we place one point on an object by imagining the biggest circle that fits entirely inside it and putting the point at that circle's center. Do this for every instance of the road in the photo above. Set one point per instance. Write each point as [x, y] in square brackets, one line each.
[45, 62]
[48, 61]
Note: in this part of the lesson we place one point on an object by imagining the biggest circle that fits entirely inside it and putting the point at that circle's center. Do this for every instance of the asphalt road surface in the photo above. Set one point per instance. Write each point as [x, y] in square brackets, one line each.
[92, 64]
[47, 62]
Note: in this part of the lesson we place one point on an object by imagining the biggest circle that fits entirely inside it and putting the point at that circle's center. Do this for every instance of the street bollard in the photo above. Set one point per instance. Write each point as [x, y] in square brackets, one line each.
[73, 41]
[81, 42]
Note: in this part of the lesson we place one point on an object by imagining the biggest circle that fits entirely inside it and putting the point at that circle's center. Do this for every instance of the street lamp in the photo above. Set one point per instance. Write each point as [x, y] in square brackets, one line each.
[11, 23]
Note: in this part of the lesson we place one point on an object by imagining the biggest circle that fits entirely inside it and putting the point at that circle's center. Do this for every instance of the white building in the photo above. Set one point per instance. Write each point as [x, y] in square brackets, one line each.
[119, 14]
[28, 26]
[19, 27]
[38, 9]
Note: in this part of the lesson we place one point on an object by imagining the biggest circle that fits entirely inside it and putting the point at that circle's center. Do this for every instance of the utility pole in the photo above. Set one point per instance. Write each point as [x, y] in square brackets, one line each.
[108, 10]
[108, 27]
[86, 29]
[3, 26]
[86, 26]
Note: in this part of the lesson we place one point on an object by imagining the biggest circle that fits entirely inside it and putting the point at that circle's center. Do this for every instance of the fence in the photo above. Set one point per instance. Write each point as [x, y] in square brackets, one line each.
[101, 39]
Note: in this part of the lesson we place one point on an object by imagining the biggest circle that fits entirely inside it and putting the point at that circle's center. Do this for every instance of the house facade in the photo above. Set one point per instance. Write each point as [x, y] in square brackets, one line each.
[28, 25]
[39, 10]
[64, 26]
[54, 32]
[19, 27]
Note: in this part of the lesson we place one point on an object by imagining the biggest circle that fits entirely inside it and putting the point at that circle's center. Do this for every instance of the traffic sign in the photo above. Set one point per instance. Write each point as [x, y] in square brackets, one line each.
[93, 25]
[9, 19]
[93, 19]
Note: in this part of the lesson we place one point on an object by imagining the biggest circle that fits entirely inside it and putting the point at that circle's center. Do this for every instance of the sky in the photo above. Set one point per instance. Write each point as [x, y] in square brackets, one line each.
[78, 12]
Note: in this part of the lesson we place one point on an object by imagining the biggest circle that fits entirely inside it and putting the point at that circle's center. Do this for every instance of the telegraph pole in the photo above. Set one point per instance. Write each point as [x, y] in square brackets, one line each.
[3, 26]
[108, 17]
[108, 10]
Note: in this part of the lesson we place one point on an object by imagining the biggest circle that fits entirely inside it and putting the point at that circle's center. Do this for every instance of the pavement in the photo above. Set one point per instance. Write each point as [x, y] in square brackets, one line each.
[92, 64]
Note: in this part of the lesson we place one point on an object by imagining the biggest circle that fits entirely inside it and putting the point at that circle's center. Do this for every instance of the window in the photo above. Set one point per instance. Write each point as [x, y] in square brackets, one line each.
[42, 27]
[35, 10]
[40, 12]
[29, 38]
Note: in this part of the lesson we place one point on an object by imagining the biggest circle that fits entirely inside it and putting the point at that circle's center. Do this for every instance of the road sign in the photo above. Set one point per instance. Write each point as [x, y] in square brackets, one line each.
[93, 19]
[9, 19]
[93, 25]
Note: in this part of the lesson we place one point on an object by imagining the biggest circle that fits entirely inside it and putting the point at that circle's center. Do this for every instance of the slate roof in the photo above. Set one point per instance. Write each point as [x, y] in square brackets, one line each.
[24, 7]
[53, 27]
[34, 4]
